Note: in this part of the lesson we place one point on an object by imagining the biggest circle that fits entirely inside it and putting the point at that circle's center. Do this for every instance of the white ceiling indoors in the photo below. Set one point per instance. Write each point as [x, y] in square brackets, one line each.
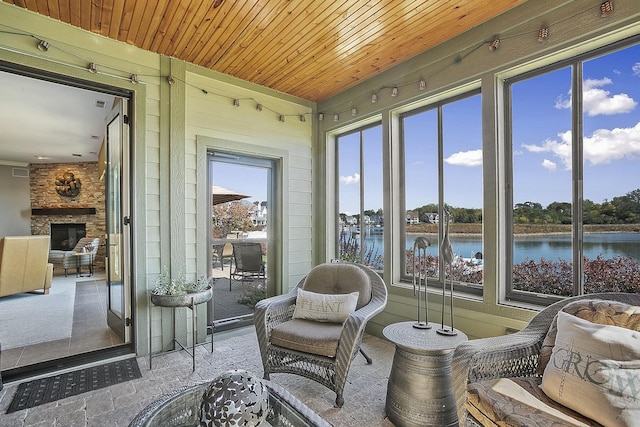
[45, 122]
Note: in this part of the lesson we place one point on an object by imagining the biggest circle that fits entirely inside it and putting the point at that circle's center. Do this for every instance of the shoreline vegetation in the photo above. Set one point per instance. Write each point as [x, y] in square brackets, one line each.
[525, 229]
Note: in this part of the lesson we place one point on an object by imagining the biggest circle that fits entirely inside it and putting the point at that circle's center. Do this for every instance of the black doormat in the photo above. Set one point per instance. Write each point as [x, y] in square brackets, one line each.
[50, 389]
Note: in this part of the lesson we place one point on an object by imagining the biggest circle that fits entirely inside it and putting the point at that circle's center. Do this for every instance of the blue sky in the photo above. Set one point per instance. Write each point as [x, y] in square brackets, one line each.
[541, 142]
[248, 180]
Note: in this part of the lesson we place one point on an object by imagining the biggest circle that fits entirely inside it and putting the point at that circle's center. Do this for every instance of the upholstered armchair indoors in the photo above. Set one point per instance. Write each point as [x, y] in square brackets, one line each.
[320, 345]
[23, 264]
[87, 246]
[500, 380]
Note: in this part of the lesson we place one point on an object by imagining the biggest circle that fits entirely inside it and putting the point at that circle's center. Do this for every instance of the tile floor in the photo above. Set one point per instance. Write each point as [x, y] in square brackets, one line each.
[116, 406]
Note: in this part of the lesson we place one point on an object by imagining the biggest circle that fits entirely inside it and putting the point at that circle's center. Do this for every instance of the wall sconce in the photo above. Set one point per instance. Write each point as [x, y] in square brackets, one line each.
[422, 85]
[394, 91]
[43, 45]
[259, 107]
[281, 118]
[303, 118]
[374, 98]
[336, 117]
[320, 117]
[134, 78]
[354, 112]
[236, 102]
[606, 9]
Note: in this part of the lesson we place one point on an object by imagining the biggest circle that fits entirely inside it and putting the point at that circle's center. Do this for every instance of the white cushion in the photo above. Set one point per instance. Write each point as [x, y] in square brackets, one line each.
[324, 307]
[595, 370]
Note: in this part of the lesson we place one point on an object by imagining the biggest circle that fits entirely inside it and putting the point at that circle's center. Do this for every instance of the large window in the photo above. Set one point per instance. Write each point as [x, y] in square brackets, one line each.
[360, 197]
[576, 185]
[443, 179]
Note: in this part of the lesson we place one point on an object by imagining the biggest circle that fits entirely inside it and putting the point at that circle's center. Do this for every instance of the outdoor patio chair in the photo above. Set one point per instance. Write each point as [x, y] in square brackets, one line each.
[222, 252]
[247, 263]
[319, 350]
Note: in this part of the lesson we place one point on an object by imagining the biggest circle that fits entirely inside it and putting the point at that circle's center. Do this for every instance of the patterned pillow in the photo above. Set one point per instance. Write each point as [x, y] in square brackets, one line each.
[595, 370]
[599, 311]
[334, 308]
[235, 398]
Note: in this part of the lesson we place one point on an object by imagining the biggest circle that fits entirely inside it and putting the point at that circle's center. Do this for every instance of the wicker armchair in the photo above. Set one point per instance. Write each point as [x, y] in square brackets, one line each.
[330, 371]
[510, 356]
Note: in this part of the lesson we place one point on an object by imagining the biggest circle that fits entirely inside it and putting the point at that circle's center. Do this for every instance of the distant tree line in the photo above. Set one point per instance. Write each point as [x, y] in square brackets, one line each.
[619, 210]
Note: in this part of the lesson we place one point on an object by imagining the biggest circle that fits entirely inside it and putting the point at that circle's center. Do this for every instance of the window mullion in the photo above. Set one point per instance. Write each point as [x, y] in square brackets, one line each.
[577, 176]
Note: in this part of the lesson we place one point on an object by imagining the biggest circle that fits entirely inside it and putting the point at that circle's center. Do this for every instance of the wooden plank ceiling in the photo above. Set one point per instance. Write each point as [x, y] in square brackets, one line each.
[312, 49]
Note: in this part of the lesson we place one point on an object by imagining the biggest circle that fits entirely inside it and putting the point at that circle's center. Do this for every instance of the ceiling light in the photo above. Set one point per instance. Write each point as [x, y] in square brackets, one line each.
[42, 157]
[43, 45]
[606, 9]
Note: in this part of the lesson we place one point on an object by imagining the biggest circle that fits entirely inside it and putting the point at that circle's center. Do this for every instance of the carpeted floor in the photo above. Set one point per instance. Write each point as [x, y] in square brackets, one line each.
[30, 318]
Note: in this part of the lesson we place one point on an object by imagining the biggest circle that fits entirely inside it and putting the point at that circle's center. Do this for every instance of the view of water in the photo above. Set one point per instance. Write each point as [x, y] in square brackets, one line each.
[549, 247]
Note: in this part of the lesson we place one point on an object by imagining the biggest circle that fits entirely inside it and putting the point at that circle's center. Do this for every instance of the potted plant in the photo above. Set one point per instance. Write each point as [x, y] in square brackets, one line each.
[179, 292]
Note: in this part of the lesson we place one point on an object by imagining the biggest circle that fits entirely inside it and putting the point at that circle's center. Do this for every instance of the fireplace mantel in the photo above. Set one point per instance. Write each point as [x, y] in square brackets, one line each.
[63, 211]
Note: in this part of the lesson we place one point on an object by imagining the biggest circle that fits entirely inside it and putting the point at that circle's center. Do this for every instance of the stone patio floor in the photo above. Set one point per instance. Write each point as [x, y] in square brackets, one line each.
[117, 405]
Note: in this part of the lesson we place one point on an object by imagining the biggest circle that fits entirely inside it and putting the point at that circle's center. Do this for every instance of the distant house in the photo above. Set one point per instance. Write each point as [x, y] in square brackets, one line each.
[432, 218]
[413, 217]
[259, 214]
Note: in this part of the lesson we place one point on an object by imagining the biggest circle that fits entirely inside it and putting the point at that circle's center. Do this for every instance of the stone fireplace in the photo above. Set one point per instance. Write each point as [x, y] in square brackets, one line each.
[67, 219]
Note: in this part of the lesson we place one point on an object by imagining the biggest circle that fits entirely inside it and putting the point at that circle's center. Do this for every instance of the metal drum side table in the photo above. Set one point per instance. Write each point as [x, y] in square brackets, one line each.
[420, 389]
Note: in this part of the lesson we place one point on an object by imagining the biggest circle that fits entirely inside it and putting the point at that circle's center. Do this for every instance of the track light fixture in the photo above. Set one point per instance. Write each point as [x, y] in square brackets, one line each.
[170, 80]
[259, 107]
[321, 117]
[236, 102]
[93, 68]
[422, 85]
[336, 117]
[543, 34]
[374, 98]
[354, 112]
[495, 43]
[606, 9]
[282, 118]
[303, 118]
[43, 45]
[394, 91]
[134, 78]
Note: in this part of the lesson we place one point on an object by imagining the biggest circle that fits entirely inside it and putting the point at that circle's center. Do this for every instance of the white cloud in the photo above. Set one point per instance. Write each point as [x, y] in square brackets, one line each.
[603, 146]
[597, 101]
[348, 180]
[465, 158]
[636, 69]
[548, 164]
